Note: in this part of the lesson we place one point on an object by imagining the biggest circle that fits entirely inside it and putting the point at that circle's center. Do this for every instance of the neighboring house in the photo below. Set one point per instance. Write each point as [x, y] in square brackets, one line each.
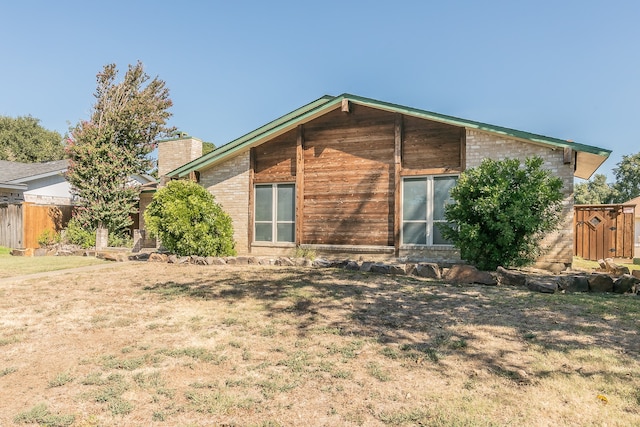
[35, 197]
[349, 175]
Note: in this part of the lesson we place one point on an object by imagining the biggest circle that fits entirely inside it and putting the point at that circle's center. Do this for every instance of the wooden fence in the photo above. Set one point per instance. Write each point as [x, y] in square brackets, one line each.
[604, 231]
[11, 235]
[22, 224]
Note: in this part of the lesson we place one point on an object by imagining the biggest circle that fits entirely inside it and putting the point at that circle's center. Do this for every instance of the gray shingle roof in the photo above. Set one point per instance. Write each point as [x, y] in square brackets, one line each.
[16, 171]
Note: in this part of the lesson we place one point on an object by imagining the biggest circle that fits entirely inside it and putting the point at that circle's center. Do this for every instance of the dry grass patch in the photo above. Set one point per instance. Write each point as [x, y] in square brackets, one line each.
[150, 344]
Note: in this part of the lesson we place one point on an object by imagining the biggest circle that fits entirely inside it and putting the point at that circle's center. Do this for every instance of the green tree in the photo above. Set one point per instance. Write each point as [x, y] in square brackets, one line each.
[627, 175]
[501, 211]
[23, 139]
[106, 150]
[594, 192]
[188, 221]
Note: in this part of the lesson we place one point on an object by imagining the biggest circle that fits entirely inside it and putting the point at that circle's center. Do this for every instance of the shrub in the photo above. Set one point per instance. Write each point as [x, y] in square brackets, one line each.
[48, 238]
[78, 235]
[501, 212]
[188, 221]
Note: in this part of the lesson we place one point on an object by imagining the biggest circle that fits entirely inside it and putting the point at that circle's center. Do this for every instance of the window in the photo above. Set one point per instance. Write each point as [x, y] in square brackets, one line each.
[423, 204]
[275, 213]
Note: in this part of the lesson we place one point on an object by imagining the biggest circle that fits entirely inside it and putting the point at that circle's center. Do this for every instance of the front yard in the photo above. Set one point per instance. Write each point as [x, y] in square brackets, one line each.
[185, 345]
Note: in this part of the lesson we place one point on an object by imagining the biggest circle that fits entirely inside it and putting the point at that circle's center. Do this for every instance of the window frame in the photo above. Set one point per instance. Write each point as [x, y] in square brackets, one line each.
[274, 214]
[429, 220]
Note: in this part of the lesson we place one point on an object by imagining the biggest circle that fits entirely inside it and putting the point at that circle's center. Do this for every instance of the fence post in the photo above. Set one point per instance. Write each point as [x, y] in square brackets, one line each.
[102, 238]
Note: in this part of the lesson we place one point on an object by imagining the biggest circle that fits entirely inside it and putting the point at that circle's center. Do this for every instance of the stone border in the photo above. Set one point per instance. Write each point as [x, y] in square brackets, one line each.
[536, 281]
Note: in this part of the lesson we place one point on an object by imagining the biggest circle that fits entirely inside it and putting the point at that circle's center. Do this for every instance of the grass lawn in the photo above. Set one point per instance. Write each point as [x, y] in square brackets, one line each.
[184, 345]
[16, 266]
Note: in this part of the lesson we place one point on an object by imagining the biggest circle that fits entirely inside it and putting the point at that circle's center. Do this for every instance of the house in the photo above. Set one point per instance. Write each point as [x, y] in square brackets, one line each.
[349, 176]
[35, 197]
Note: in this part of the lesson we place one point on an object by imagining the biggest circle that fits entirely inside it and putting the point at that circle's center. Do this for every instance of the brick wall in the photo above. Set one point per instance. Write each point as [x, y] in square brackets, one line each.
[176, 152]
[559, 244]
[229, 183]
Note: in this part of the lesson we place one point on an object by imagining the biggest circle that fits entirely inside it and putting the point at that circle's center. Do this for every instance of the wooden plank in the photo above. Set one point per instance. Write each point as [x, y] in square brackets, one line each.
[397, 168]
[629, 235]
[300, 186]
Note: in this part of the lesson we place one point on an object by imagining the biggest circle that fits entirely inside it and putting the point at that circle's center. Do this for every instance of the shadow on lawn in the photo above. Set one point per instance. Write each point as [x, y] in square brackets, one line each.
[424, 318]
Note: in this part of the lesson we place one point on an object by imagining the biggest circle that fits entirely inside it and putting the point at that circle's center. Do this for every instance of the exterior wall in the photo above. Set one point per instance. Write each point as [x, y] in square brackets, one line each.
[229, 183]
[52, 190]
[559, 244]
[176, 152]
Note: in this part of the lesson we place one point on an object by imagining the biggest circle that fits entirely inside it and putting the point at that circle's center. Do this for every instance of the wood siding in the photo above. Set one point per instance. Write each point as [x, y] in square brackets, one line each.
[348, 166]
[604, 231]
[275, 161]
[430, 145]
[349, 181]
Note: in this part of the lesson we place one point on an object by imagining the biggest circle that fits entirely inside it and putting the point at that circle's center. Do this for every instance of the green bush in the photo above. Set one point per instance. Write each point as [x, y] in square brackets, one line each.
[48, 237]
[78, 235]
[501, 212]
[188, 221]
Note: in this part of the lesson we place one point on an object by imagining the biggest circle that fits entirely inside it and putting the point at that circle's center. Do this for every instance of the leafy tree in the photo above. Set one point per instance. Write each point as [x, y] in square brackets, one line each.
[627, 174]
[104, 151]
[501, 212]
[23, 139]
[594, 192]
[188, 221]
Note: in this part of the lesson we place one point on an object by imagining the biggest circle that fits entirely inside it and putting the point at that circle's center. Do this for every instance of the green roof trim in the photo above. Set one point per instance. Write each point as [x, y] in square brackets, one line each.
[328, 103]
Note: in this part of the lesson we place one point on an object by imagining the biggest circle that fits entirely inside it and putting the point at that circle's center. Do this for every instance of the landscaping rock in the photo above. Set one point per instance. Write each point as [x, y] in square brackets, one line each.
[172, 259]
[615, 269]
[510, 277]
[200, 261]
[217, 261]
[242, 260]
[463, 273]
[398, 269]
[112, 256]
[600, 283]
[184, 260]
[230, 260]
[428, 270]
[547, 285]
[208, 260]
[156, 257]
[339, 263]
[321, 263]
[366, 266]
[624, 284]
[142, 256]
[285, 261]
[379, 268]
[353, 266]
[573, 283]
[636, 274]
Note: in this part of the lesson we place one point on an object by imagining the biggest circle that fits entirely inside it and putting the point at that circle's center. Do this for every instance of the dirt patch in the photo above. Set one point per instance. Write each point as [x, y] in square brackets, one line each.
[161, 344]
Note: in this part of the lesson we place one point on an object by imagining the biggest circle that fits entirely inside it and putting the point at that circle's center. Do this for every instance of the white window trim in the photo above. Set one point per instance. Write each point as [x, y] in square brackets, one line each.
[274, 215]
[429, 222]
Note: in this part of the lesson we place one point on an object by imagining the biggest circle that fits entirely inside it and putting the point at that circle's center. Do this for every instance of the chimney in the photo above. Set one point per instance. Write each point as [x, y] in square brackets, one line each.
[175, 152]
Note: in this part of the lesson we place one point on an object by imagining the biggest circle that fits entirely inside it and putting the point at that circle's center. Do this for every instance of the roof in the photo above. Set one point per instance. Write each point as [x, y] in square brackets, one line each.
[17, 173]
[589, 158]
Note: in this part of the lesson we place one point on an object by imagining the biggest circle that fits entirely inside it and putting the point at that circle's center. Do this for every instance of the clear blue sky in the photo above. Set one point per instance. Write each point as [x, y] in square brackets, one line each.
[563, 68]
